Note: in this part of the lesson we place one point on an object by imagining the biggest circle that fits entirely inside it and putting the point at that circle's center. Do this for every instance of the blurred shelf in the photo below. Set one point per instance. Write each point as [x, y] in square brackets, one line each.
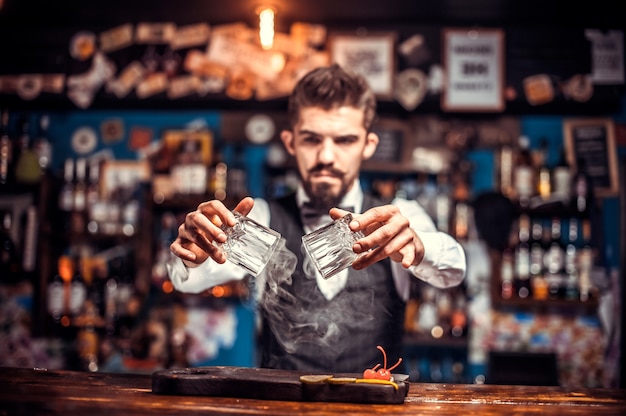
[424, 340]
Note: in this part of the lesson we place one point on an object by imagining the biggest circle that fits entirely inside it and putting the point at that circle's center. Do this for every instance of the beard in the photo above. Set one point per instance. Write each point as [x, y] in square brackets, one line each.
[322, 195]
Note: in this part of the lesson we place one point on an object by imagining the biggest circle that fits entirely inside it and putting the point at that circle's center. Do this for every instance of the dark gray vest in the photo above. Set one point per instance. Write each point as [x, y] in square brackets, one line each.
[304, 331]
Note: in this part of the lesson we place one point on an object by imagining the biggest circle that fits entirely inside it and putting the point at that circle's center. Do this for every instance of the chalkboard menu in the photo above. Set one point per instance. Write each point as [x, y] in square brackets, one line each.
[593, 141]
[389, 145]
[391, 153]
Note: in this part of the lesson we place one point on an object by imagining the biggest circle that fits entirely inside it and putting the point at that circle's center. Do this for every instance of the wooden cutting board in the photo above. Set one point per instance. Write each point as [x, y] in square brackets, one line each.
[268, 384]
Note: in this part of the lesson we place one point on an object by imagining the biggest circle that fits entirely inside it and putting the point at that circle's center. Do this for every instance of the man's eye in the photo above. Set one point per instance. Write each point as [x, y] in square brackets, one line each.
[311, 140]
[345, 140]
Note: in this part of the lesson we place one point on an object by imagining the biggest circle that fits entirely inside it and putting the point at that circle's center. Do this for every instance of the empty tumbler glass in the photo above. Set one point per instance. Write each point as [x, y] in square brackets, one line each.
[249, 244]
[330, 247]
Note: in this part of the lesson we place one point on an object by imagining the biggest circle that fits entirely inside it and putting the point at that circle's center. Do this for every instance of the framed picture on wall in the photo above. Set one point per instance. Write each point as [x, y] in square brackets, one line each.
[370, 55]
[473, 61]
[592, 141]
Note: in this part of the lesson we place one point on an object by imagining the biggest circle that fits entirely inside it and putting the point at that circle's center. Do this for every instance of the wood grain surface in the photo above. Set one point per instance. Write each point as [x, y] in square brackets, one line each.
[27, 391]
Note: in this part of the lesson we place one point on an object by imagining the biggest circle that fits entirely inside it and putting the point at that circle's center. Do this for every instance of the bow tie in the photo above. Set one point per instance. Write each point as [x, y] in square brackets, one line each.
[310, 214]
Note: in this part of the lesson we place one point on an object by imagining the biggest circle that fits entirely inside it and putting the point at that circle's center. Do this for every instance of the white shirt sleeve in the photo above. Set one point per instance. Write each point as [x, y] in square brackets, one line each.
[209, 274]
[444, 261]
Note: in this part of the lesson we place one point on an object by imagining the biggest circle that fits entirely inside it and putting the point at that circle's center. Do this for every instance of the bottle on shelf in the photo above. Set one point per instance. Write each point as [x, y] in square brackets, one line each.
[522, 258]
[66, 194]
[55, 298]
[524, 173]
[10, 263]
[507, 274]
[582, 190]
[78, 291]
[218, 179]
[544, 181]
[562, 179]
[59, 300]
[79, 197]
[585, 263]
[6, 151]
[537, 271]
[571, 254]
[505, 171]
[442, 203]
[458, 317]
[42, 145]
[554, 260]
[27, 169]
[88, 323]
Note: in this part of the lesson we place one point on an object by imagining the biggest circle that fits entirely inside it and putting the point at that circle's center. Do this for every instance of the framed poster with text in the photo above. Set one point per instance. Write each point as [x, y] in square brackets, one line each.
[473, 62]
[592, 140]
[370, 55]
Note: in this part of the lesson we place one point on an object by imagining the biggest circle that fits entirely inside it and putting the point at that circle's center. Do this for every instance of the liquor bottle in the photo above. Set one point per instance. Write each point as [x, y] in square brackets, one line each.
[544, 182]
[9, 253]
[585, 263]
[218, 179]
[507, 274]
[442, 203]
[95, 208]
[56, 297]
[29, 250]
[27, 170]
[458, 317]
[78, 291]
[6, 151]
[562, 179]
[522, 258]
[524, 173]
[582, 190]
[461, 208]
[87, 338]
[59, 300]
[505, 168]
[42, 146]
[80, 186]
[66, 195]
[537, 272]
[79, 197]
[554, 260]
[93, 184]
[571, 255]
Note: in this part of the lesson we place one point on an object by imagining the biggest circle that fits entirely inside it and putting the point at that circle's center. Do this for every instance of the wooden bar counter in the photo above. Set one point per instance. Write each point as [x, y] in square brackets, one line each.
[47, 392]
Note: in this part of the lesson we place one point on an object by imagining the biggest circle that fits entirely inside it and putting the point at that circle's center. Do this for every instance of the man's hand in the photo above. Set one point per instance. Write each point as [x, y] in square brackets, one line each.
[387, 234]
[194, 243]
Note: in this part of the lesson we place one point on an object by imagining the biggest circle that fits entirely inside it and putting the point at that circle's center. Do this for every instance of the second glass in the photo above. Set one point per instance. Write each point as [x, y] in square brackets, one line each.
[330, 247]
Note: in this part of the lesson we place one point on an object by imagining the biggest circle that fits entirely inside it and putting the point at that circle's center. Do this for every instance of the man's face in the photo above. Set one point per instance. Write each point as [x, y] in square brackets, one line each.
[329, 146]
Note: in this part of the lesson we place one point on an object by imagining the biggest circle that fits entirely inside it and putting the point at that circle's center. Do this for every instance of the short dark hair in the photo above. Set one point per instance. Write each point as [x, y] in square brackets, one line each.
[330, 87]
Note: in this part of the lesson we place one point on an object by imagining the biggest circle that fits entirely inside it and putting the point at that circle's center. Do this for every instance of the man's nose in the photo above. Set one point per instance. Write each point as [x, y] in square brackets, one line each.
[326, 152]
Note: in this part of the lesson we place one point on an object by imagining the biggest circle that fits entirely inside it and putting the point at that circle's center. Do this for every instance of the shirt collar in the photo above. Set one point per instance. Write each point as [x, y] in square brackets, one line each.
[354, 197]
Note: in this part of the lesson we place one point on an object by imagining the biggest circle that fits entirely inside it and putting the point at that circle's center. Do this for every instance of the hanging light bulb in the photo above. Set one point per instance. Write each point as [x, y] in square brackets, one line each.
[266, 27]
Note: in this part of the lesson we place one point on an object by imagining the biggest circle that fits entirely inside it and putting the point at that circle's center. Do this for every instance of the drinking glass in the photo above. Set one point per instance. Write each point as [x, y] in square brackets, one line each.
[249, 244]
[330, 247]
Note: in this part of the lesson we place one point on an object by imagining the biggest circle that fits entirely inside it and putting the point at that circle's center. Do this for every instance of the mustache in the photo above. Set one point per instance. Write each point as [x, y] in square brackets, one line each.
[325, 168]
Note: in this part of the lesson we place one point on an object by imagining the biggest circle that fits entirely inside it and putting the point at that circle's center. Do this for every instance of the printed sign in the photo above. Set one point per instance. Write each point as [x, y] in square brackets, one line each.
[474, 65]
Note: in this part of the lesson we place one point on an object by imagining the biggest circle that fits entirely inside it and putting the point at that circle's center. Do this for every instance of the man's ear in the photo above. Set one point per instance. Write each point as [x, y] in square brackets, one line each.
[287, 138]
[371, 143]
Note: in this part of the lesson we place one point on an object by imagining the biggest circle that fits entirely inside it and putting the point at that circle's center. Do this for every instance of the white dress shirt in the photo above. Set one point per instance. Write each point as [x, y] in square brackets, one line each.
[443, 264]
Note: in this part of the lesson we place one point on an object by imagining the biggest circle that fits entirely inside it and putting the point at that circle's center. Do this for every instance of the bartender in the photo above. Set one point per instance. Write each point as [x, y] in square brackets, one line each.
[309, 323]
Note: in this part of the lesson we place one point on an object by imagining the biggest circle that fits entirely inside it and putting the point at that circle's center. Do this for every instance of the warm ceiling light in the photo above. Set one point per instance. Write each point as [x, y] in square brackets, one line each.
[266, 27]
